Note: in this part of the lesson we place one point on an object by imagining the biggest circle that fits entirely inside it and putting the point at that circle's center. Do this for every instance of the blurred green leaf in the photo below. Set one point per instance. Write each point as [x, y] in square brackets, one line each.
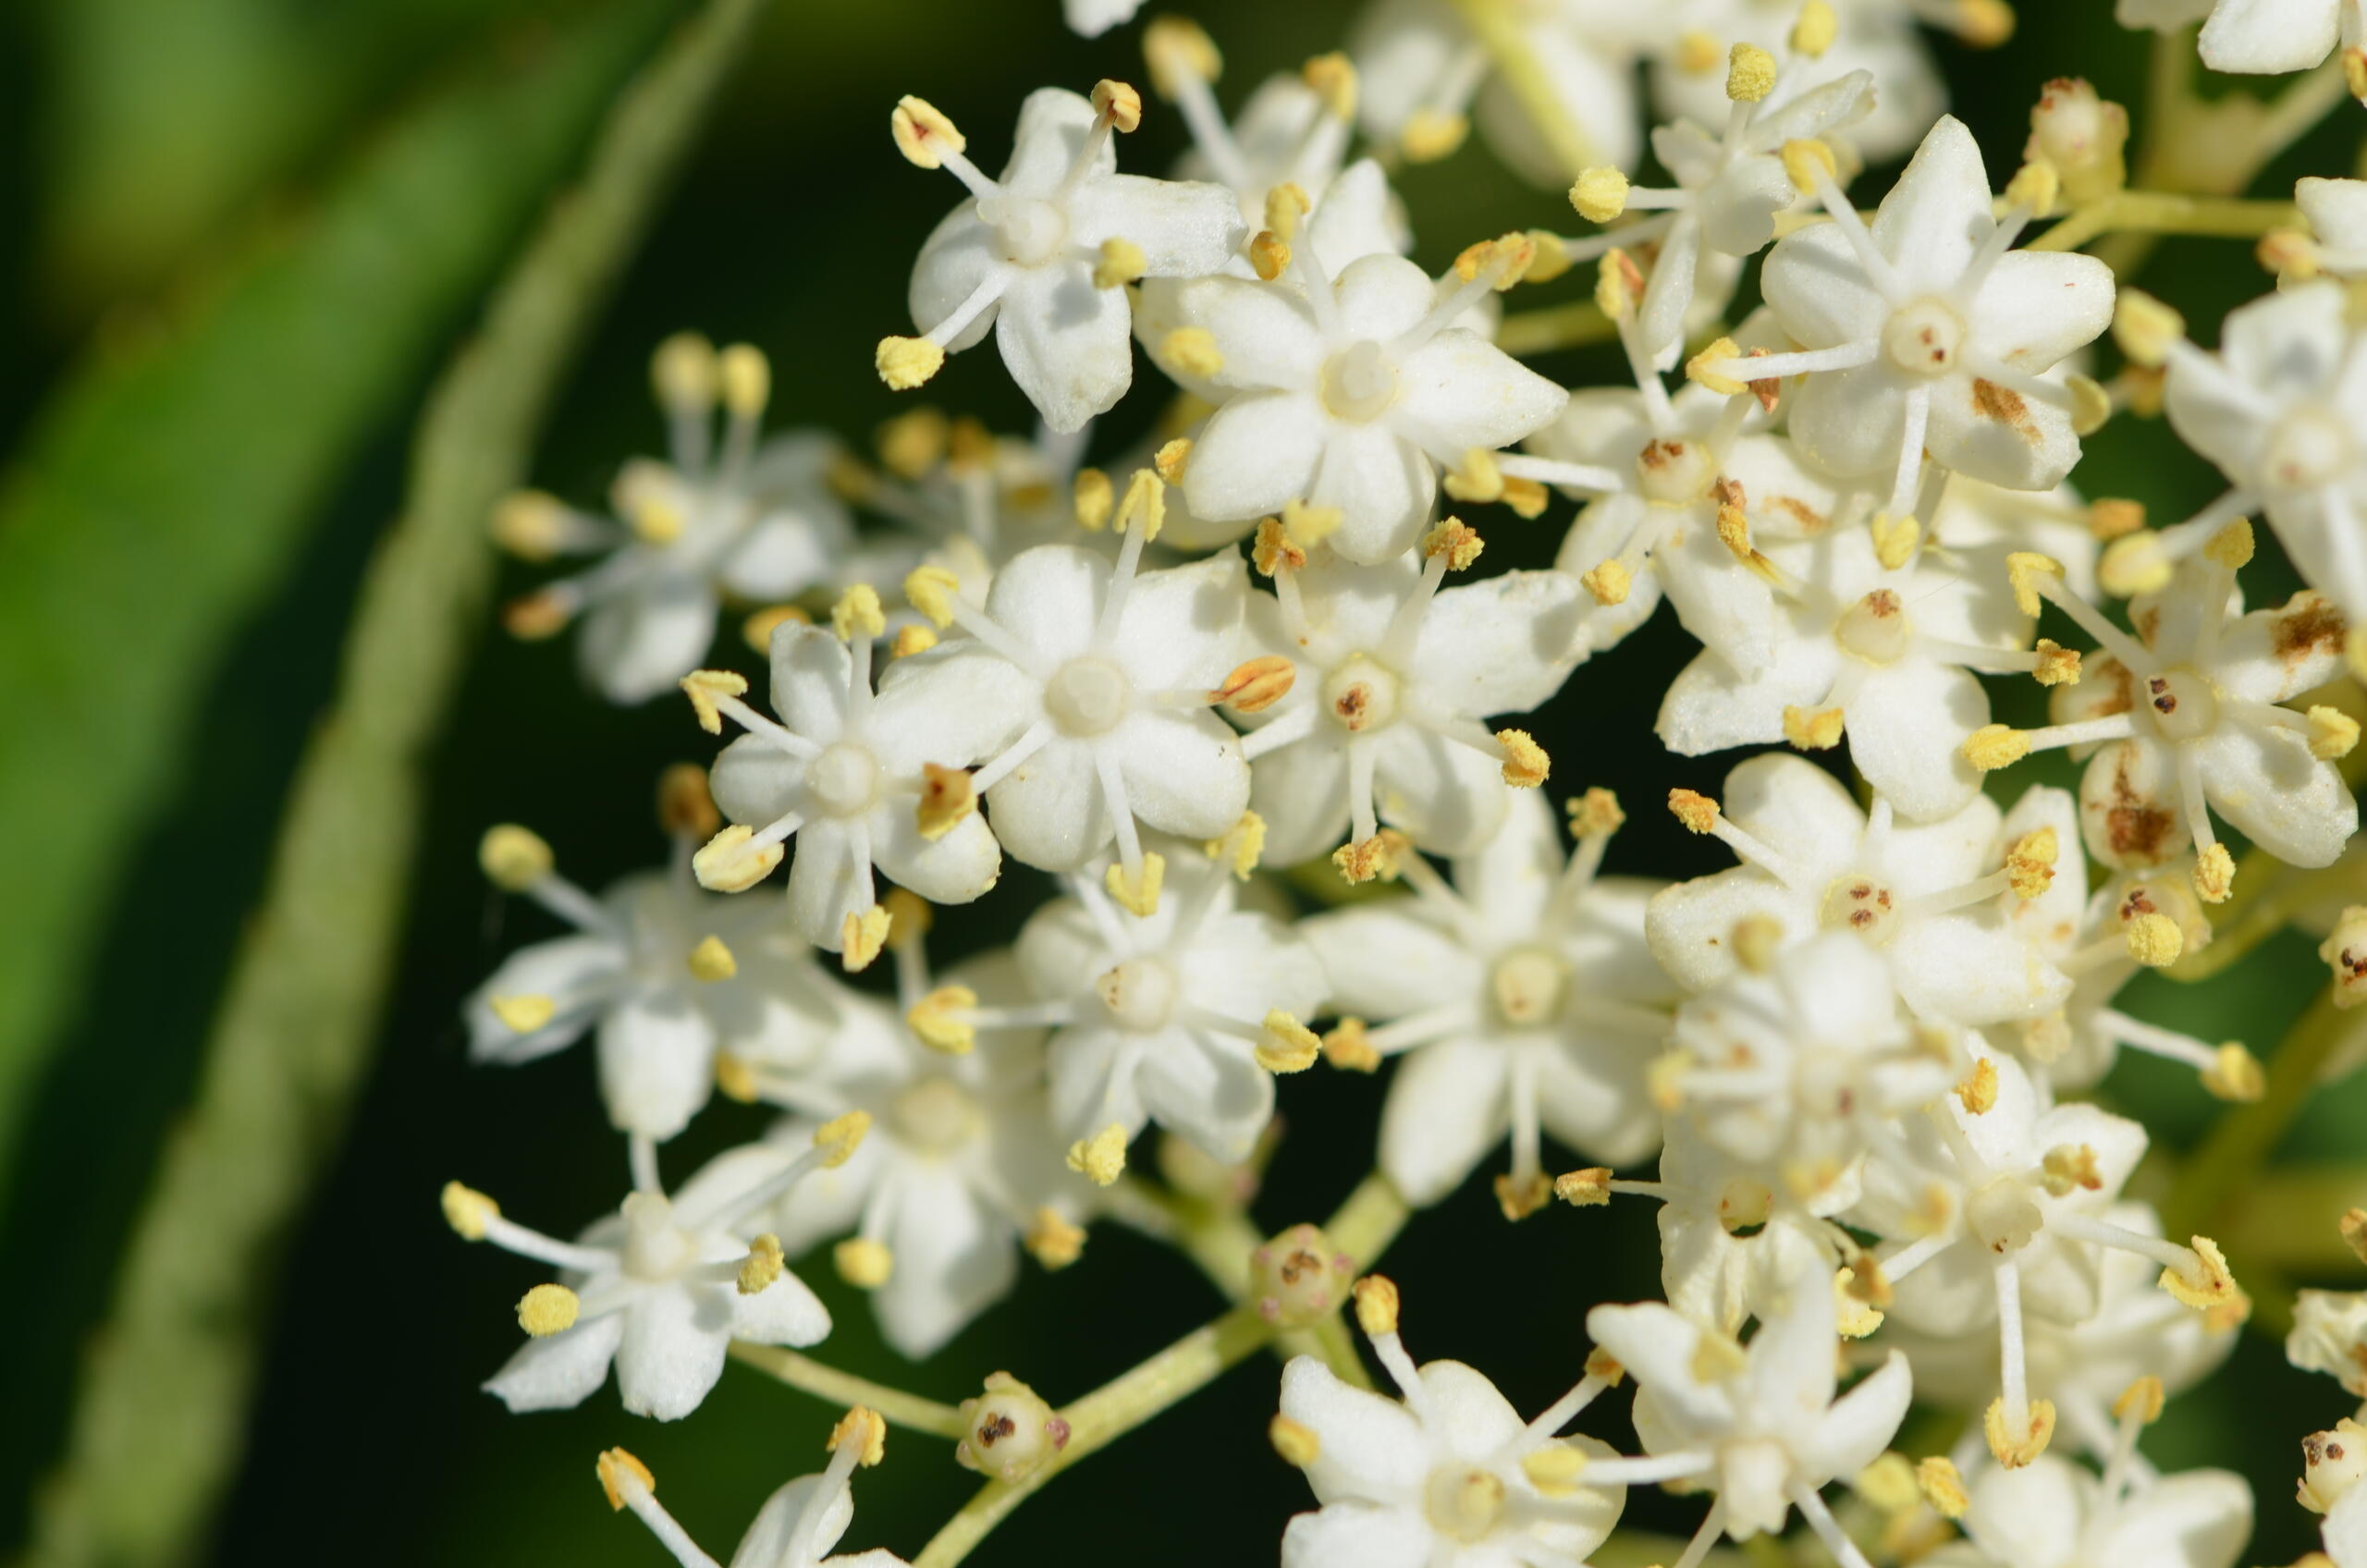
[157, 1432]
[165, 493]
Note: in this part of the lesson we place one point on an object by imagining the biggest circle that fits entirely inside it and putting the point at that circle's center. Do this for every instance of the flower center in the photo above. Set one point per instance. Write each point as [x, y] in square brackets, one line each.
[1463, 1501]
[2309, 450]
[2003, 1214]
[1140, 993]
[843, 779]
[1864, 905]
[1674, 473]
[1529, 983]
[1088, 696]
[2183, 702]
[1031, 232]
[1924, 338]
[1875, 629]
[1360, 695]
[656, 1248]
[935, 1116]
[1359, 382]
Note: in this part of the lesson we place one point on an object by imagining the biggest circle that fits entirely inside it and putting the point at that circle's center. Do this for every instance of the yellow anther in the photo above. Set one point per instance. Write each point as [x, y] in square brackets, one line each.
[468, 1211]
[1144, 505]
[906, 362]
[1609, 583]
[2133, 564]
[1853, 1318]
[1618, 283]
[735, 1080]
[2232, 546]
[1138, 894]
[729, 863]
[1095, 497]
[2034, 188]
[1256, 684]
[1982, 24]
[522, 1014]
[1504, 258]
[2056, 666]
[757, 627]
[2154, 940]
[513, 858]
[1816, 29]
[2030, 861]
[763, 1264]
[840, 1137]
[546, 1310]
[2214, 874]
[1367, 858]
[1526, 763]
[1052, 1241]
[913, 442]
[1813, 729]
[1476, 478]
[683, 371]
[1294, 1441]
[713, 961]
[1431, 134]
[1179, 52]
[655, 520]
[1733, 531]
[1350, 1048]
[1895, 539]
[1696, 51]
[1696, 811]
[2354, 652]
[703, 687]
[747, 379]
[1598, 1364]
[1808, 163]
[1889, 1484]
[1118, 103]
[923, 134]
[1994, 746]
[1122, 262]
[1589, 1188]
[1978, 1091]
[1308, 526]
[861, 935]
[1942, 1487]
[529, 524]
[1867, 1283]
[2142, 1399]
[2235, 1076]
[941, 1021]
[2354, 71]
[2353, 1227]
[863, 1263]
[1664, 1078]
[1377, 1304]
[1452, 538]
[2015, 1450]
[1102, 1157]
[622, 1476]
[2108, 520]
[1553, 1469]
[1757, 938]
[1552, 257]
[2211, 1285]
[1193, 350]
[1242, 844]
[2145, 328]
[857, 614]
[863, 1429]
[946, 799]
[911, 639]
[1334, 82]
[2091, 404]
[1750, 74]
[1722, 352]
[1717, 1356]
[1270, 254]
[1285, 1044]
[2332, 732]
[931, 591]
[1594, 815]
[2069, 1168]
[1285, 204]
[1600, 194]
[909, 916]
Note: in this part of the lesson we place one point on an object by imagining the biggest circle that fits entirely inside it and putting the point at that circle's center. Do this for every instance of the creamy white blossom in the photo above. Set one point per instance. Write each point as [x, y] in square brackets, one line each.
[2053, 1514]
[796, 1526]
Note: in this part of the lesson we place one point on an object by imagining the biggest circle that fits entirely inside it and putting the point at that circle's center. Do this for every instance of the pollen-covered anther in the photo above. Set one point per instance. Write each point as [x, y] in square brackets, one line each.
[1179, 52]
[622, 1475]
[863, 1429]
[1366, 858]
[711, 960]
[513, 858]
[1696, 811]
[2145, 328]
[2354, 71]
[1476, 478]
[1120, 104]
[703, 687]
[1942, 1486]
[1519, 1196]
[2014, 1450]
[1618, 284]
[1454, 541]
[1589, 1188]
[1722, 352]
[1138, 893]
[858, 614]
[906, 362]
[923, 134]
[863, 1263]
[1092, 498]
[942, 1020]
[861, 935]
[2141, 1400]
[1348, 1047]
[2205, 1282]
[468, 1211]
[522, 1014]
[1052, 1241]
[1978, 1091]
[1807, 163]
[1504, 260]
[1853, 1316]
[1285, 1044]
[1594, 815]
[2214, 874]
[2057, 665]
[946, 799]
[1599, 195]
[1102, 1157]
[1144, 505]
[2235, 1076]
[2154, 940]
[2024, 570]
[1121, 262]
[2353, 1227]
[1609, 583]
[1270, 254]
[2109, 519]
[1982, 24]
[1377, 1304]
[1193, 350]
[1256, 684]
[734, 1080]
[1813, 729]
[2333, 732]
[1750, 74]
[529, 524]
[909, 916]
[1994, 746]
[2034, 188]
[729, 862]
[2030, 861]
[1815, 30]
[530, 617]
[1895, 539]
[763, 1264]
[1294, 1441]
[686, 805]
[2069, 1168]
[2091, 406]
[549, 1309]
[1241, 847]
[1526, 763]
[1756, 939]
[840, 1137]
[1432, 134]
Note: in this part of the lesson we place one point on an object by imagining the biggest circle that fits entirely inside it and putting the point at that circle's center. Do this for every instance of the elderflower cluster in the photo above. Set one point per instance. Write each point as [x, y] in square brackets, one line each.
[1252, 698]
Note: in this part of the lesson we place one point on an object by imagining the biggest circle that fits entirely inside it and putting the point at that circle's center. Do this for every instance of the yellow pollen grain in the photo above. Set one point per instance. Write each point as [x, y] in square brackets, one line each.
[1377, 1304]
[1366, 858]
[946, 799]
[1595, 815]
[2214, 1285]
[1270, 254]
[1121, 262]
[863, 1263]
[1978, 1093]
[1094, 498]
[1285, 1044]
[1696, 811]
[513, 858]
[923, 134]
[2145, 328]
[522, 1014]
[1144, 505]
[703, 687]
[840, 1137]
[2154, 940]
[2016, 1450]
[911, 639]
[1052, 1241]
[711, 960]
[1553, 1469]
[2235, 1076]
[763, 1264]
[725, 864]
[2333, 733]
[1272, 551]
[2232, 546]
[1526, 763]
[1294, 1441]
[1895, 539]
[2214, 874]
[1517, 1197]
[1697, 369]
[1815, 30]
[1852, 1316]
[1458, 543]
[858, 614]
[1431, 134]
[1994, 746]
[1808, 163]
[1617, 283]
[2069, 1168]
[468, 1211]
[1193, 350]
[1599, 195]
[1138, 894]
[2056, 666]
[906, 362]
[861, 935]
[1589, 1188]
[546, 1310]
[1285, 204]
[1101, 1157]
[1733, 531]
[1813, 729]
[757, 627]
[620, 1472]
[940, 1020]
[1241, 847]
[1349, 1048]
[1942, 1486]
[1609, 583]
[863, 1429]
[1750, 74]
[1476, 478]
[930, 590]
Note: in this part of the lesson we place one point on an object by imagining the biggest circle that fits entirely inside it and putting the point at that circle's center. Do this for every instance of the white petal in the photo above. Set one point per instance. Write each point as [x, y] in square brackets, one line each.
[1301, 791]
[1092, 1072]
[786, 1312]
[576, 972]
[1382, 486]
[1446, 1110]
[1264, 333]
[1938, 213]
[954, 1257]
[956, 706]
[561, 1371]
[1710, 708]
[952, 869]
[1691, 926]
[656, 1063]
[1818, 292]
[1658, 1348]
[960, 254]
[755, 782]
[1359, 1535]
[672, 1352]
[1054, 126]
[1049, 598]
[1184, 773]
[639, 643]
[1049, 811]
[1207, 1087]
[1500, 645]
[1998, 436]
[1259, 451]
[1181, 627]
[1371, 1447]
[1446, 796]
[1861, 1423]
[1851, 422]
[1973, 968]
[1380, 297]
[1066, 343]
[1907, 724]
[2269, 36]
[2037, 308]
[1185, 228]
[1458, 391]
[828, 882]
[2265, 782]
[1385, 961]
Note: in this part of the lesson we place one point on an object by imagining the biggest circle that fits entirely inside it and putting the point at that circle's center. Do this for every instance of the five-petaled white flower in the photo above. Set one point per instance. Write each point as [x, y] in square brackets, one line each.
[797, 1523]
[2054, 1515]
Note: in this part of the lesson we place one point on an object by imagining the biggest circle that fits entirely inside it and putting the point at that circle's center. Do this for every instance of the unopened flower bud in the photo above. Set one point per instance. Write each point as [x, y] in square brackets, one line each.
[1299, 1277]
[1009, 1431]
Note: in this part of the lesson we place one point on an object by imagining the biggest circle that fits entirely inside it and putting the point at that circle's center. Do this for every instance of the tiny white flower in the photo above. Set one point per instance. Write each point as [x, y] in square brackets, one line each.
[2330, 1336]
[1927, 332]
[1522, 996]
[755, 522]
[1731, 1241]
[2053, 1514]
[797, 1526]
[1093, 18]
[1027, 255]
[2259, 36]
[1883, 39]
[1383, 721]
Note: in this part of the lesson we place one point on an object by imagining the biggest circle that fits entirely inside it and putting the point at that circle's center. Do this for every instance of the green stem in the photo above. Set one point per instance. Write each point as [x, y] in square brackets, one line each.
[2168, 212]
[834, 1387]
[1499, 27]
[2215, 1177]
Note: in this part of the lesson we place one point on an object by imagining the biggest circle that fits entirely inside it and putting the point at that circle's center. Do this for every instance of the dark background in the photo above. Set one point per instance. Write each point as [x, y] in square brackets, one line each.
[794, 230]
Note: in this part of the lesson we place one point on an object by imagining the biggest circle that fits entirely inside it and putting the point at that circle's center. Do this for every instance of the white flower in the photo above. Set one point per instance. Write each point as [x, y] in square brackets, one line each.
[1757, 1426]
[1935, 899]
[2053, 1514]
[1042, 255]
[2334, 1462]
[2330, 1336]
[753, 522]
[1926, 332]
[1169, 1016]
[2188, 715]
[1731, 1243]
[1523, 998]
[1450, 1477]
[660, 1289]
[2336, 211]
[1879, 38]
[1382, 723]
[1882, 655]
[2258, 36]
[1093, 18]
[967, 500]
[667, 976]
[1347, 391]
[961, 1165]
[861, 780]
[797, 1525]
[1084, 689]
